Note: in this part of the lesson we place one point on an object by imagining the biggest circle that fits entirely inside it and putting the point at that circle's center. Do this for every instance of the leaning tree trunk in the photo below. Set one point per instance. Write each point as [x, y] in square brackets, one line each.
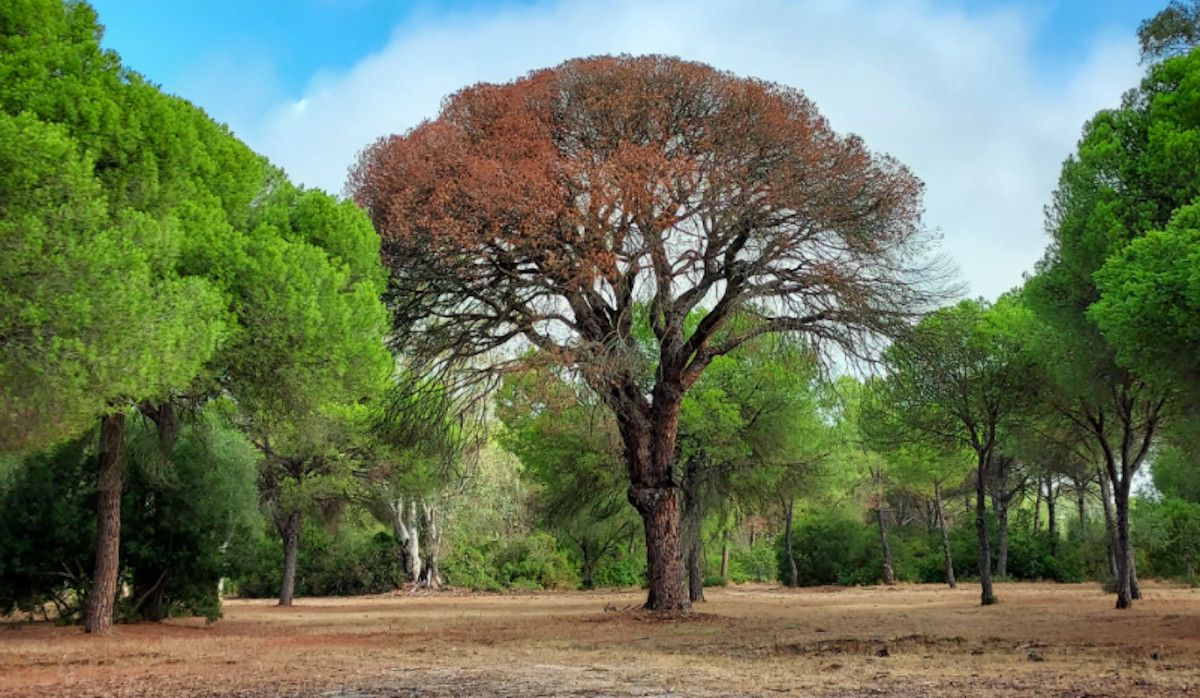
[889, 574]
[986, 595]
[1081, 503]
[289, 531]
[431, 576]
[102, 594]
[692, 517]
[941, 517]
[793, 578]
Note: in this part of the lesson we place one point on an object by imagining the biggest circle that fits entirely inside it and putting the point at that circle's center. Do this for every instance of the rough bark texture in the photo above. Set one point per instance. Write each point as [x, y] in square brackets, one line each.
[289, 531]
[986, 595]
[692, 518]
[103, 591]
[403, 512]
[941, 517]
[1123, 553]
[1110, 526]
[889, 574]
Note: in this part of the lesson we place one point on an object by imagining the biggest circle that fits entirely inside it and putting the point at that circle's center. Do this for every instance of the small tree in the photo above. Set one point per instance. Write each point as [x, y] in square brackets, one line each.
[547, 208]
[963, 375]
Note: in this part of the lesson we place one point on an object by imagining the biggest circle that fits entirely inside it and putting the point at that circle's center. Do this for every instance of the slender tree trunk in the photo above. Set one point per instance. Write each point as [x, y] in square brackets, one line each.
[1002, 542]
[1135, 589]
[889, 575]
[692, 518]
[725, 557]
[431, 576]
[407, 531]
[290, 533]
[1052, 516]
[1110, 527]
[941, 517]
[793, 578]
[587, 567]
[102, 594]
[1037, 510]
[1081, 503]
[1124, 552]
[986, 594]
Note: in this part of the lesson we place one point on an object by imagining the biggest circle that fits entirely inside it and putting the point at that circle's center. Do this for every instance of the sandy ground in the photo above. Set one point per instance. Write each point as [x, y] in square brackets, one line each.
[1044, 640]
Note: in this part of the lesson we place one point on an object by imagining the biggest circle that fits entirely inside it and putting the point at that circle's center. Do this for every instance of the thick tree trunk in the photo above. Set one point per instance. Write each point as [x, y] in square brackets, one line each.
[793, 575]
[659, 508]
[692, 518]
[941, 517]
[102, 594]
[649, 439]
[889, 574]
[289, 531]
[431, 576]
[986, 594]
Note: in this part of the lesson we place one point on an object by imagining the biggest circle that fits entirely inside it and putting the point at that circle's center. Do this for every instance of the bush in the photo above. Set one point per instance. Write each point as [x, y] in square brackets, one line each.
[754, 563]
[832, 548]
[354, 557]
[1166, 537]
[528, 563]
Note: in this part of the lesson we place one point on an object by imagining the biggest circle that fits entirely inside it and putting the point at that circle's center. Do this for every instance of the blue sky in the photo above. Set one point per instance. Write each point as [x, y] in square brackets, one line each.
[982, 98]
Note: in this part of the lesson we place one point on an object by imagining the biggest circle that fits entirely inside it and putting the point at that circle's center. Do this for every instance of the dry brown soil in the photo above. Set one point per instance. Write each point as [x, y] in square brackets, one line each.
[1042, 639]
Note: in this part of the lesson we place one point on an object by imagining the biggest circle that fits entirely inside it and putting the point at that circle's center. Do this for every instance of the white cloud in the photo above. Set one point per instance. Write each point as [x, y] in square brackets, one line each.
[957, 97]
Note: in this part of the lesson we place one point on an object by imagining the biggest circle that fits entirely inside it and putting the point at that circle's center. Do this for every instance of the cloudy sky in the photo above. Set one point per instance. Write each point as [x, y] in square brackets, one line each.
[983, 99]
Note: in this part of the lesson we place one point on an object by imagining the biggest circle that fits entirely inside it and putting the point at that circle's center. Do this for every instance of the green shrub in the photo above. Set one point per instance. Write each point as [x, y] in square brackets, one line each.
[832, 548]
[527, 563]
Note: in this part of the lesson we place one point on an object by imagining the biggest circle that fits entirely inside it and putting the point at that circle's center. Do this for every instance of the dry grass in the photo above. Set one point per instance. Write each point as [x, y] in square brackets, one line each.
[1054, 640]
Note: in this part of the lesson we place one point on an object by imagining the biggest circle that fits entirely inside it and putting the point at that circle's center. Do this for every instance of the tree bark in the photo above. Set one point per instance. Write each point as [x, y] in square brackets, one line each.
[889, 575]
[941, 517]
[289, 531]
[692, 518]
[408, 537]
[986, 594]
[102, 593]
[431, 576]
[1123, 552]
[649, 439]
[793, 578]
[1110, 527]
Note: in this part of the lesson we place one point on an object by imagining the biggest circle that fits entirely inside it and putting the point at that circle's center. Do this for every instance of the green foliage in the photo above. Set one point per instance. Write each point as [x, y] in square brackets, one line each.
[831, 548]
[753, 563]
[523, 563]
[1173, 31]
[1167, 534]
[179, 513]
[354, 557]
[1149, 307]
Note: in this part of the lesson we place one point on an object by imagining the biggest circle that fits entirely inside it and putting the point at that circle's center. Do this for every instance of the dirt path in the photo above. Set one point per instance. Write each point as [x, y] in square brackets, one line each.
[1046, 640]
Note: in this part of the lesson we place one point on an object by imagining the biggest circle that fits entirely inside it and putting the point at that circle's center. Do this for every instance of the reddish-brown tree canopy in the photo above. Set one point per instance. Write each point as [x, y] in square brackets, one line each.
[546, 207]
[550, 207]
